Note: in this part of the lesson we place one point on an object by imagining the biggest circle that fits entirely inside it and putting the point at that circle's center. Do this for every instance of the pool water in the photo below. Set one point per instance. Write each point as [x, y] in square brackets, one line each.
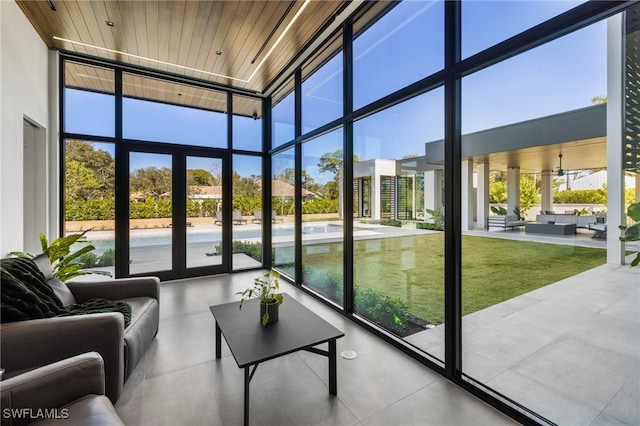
[164, 237]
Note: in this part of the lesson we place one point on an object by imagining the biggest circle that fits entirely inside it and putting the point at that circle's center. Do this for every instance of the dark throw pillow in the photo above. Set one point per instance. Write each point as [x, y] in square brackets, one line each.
[59, 287]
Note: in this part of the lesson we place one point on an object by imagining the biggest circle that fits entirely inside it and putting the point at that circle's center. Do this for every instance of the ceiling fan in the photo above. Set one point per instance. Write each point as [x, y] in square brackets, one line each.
[560, 170]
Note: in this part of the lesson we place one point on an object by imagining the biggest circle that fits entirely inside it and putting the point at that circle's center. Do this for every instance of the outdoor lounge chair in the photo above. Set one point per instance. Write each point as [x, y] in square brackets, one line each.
[218, 218]
[274, 217]
[237, 218]
[257, 216]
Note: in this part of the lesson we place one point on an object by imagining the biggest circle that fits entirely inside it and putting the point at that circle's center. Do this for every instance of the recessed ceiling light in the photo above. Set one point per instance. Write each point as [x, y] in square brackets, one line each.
[109, 23]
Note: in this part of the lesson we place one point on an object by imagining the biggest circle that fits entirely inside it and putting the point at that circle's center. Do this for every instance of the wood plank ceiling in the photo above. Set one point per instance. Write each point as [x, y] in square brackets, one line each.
[226, 42]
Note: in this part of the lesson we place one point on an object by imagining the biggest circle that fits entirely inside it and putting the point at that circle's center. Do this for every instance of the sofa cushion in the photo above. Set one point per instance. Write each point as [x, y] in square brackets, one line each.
[143, 328]
[59, 288]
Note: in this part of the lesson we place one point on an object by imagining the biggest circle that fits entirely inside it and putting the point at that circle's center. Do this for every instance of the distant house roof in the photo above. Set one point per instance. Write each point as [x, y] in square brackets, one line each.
[283, 189]
[205, 192]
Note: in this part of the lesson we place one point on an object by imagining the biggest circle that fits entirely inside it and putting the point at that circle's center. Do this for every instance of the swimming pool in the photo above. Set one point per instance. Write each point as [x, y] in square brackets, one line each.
[154, 237]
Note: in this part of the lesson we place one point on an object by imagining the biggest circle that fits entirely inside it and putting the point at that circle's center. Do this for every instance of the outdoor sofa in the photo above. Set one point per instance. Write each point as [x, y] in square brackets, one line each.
[505, 221]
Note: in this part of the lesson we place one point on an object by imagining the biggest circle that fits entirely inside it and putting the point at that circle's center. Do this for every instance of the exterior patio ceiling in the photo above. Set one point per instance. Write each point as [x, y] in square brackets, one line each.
[244, 44]
[534, 146]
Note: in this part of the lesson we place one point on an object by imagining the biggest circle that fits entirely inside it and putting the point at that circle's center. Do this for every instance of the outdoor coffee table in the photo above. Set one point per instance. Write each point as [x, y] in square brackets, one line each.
[297, 329]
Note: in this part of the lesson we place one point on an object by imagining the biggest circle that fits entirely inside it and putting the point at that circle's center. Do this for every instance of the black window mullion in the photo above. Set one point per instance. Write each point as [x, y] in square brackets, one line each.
[347, 168]
[453, 182]
[121, 188]
[179, 213]
[298, 177]
[267, 206]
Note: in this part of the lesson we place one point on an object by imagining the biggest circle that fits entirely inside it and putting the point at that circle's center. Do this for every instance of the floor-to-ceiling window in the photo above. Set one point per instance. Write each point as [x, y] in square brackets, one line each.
[282, 203]
[542, 323]
[322, 227]
[169, 146]
[508, 122]
[404, 292]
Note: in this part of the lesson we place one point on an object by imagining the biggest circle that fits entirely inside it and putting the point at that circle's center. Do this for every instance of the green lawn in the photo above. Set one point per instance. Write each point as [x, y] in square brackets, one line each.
[493, 270]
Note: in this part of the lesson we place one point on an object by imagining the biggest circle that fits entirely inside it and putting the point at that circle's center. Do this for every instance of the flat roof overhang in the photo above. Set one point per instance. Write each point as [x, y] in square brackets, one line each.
[534, 145]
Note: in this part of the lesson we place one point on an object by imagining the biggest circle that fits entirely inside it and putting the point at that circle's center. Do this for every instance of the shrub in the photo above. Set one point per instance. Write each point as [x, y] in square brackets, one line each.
[87, 260]
[581, 196]
[391, 222]
[326, 283]
[253, 250]
[430, 226]
[108, 258]
[381, 309]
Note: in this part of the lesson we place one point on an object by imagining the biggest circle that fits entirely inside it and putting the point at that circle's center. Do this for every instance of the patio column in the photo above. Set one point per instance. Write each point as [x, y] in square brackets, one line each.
[615, 138]
[482, 178]
[546, 196]
[467, 196]
[637, 186]
[432, 190]
[513, 188]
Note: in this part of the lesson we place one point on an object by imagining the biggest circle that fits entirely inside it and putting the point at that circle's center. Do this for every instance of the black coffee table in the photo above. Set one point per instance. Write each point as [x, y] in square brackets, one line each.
[297, 329]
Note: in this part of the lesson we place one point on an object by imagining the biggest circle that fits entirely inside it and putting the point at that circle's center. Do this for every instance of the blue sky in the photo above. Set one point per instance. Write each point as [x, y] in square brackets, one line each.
[559, 76]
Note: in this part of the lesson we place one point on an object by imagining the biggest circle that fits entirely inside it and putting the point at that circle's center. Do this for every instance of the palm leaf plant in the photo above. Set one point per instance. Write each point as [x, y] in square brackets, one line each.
[64, 263]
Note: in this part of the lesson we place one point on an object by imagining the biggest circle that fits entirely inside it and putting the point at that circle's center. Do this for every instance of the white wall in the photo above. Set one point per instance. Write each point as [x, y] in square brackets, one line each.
[24, 93]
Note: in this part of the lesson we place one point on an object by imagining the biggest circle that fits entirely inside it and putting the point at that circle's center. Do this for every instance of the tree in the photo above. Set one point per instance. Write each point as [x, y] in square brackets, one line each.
[332, 161]
[151, 181]
[528, 194]
[95, 161]
[199, 177]
[80, 183]
[245, 187]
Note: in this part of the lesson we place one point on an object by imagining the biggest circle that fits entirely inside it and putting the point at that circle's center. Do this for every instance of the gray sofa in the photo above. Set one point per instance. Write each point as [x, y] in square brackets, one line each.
[34, 343]
[579, 221]
[70, 391]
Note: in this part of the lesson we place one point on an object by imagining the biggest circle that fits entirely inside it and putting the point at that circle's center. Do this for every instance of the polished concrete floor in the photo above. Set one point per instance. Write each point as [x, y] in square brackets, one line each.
[180, 382]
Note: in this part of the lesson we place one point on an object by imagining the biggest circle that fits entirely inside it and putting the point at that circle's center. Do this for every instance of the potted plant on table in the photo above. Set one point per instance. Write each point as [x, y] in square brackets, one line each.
[265, 288]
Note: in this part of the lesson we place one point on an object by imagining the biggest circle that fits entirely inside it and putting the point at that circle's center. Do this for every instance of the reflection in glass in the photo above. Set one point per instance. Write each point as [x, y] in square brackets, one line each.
[322, 230]
[204, 214]
[574, 72]
[247, 200]
[486, 23]
[322, 95]
[89, 201]
[162, 111]
[404, 46]
[282, 117]
[247, 123]
[398, 260]
[89, 101]
[282, 200]
[150, 212]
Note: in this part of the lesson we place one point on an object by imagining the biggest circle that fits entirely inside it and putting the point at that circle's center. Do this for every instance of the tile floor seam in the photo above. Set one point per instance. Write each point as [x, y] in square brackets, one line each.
[400, 400]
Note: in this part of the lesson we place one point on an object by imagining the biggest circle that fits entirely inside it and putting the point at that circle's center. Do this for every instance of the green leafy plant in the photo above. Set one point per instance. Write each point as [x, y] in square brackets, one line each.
[265, 288]
[390, 313]
[438, 216]
[66, 265]
[518, 212]
[632, 233]
[498, 210]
